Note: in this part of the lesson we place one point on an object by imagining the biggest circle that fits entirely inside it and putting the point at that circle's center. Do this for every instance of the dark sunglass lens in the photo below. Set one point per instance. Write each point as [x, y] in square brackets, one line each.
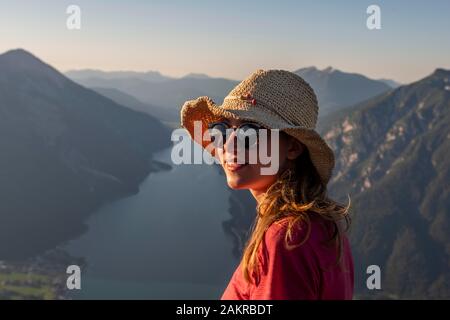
[218, 133]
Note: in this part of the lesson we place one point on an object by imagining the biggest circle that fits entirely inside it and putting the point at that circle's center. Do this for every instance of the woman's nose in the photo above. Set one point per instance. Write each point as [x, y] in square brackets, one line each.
[230, 143]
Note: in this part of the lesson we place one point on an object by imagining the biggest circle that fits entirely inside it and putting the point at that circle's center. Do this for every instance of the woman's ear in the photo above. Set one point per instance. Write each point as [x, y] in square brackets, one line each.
[295, 148]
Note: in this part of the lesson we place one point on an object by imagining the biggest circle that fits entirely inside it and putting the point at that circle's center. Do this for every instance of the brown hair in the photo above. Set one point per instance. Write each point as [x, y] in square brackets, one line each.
[296, 194]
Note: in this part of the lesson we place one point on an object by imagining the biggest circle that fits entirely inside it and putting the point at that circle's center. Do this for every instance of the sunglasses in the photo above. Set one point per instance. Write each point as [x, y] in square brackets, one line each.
[247, 133]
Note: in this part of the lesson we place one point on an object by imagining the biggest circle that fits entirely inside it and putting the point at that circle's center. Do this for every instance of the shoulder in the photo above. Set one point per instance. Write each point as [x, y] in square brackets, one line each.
[310, 231]
[310, 243]
[282, 238]
[290, 257]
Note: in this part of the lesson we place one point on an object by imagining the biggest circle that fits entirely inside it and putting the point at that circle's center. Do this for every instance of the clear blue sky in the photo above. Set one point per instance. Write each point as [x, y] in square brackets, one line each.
[233, 38]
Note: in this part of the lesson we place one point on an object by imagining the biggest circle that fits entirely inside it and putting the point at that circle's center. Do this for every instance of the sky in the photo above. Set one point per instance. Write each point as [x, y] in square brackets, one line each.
[233, 38]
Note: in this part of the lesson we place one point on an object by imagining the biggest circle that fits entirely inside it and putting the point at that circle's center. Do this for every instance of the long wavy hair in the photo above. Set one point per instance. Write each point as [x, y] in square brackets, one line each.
[298, 193]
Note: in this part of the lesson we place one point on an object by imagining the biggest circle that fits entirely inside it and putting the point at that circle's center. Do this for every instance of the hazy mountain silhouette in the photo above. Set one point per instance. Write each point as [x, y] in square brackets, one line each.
[151, 76]
[65, 150]
[169, 94]
[197, 76]
[336, 89]
[391, 83]
[392, 159]
[168, 115]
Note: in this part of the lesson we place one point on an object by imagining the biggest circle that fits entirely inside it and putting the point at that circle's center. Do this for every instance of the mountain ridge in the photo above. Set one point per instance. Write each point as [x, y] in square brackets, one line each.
[172, 93]
[391, 158]
[66, 150]
[336, 89]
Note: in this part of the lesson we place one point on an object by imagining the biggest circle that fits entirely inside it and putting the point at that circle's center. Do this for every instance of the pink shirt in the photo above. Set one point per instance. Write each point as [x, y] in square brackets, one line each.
[307, 272]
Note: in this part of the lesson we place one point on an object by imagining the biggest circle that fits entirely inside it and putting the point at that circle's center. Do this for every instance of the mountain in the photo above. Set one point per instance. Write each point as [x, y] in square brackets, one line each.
[65, 151]
[392, 158]
[197, 76]
[166, 115]
[336, 89]
[169, 94]
[150, 76]
[391, 83]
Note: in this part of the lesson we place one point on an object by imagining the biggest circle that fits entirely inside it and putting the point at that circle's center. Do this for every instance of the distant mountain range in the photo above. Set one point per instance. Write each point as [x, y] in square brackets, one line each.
[169, 116]
[335, 89]
[169, 94]
[391, 83]
[392, 158]
[65, 150]
[151, 76]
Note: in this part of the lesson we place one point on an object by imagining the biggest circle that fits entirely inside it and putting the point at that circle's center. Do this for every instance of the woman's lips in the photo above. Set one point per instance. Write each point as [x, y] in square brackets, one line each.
[230, 166]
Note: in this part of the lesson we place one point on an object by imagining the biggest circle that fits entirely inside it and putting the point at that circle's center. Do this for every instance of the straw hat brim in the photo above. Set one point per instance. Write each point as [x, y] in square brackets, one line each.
[205, 110]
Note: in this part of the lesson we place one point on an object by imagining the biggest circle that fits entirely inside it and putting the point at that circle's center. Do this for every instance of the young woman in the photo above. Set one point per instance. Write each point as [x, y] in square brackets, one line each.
[298, 247]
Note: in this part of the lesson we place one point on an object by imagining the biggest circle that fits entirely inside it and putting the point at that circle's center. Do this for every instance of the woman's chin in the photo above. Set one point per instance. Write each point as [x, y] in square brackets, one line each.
[236, 184]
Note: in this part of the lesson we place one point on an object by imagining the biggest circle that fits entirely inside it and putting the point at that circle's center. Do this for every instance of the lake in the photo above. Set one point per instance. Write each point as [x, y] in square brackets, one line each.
[166, 242]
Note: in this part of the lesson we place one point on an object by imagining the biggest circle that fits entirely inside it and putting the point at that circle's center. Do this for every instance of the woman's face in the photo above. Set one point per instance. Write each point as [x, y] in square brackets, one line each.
[249, 175]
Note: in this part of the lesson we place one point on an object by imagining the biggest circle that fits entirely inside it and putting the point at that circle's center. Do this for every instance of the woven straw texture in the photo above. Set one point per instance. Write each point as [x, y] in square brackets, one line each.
[276, 99]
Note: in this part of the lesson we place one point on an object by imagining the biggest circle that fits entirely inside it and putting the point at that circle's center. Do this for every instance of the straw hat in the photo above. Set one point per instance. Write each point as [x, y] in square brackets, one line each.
[276, 99]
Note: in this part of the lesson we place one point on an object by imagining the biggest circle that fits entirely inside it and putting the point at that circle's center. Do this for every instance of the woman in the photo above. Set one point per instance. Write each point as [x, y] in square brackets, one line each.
[298, 248]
